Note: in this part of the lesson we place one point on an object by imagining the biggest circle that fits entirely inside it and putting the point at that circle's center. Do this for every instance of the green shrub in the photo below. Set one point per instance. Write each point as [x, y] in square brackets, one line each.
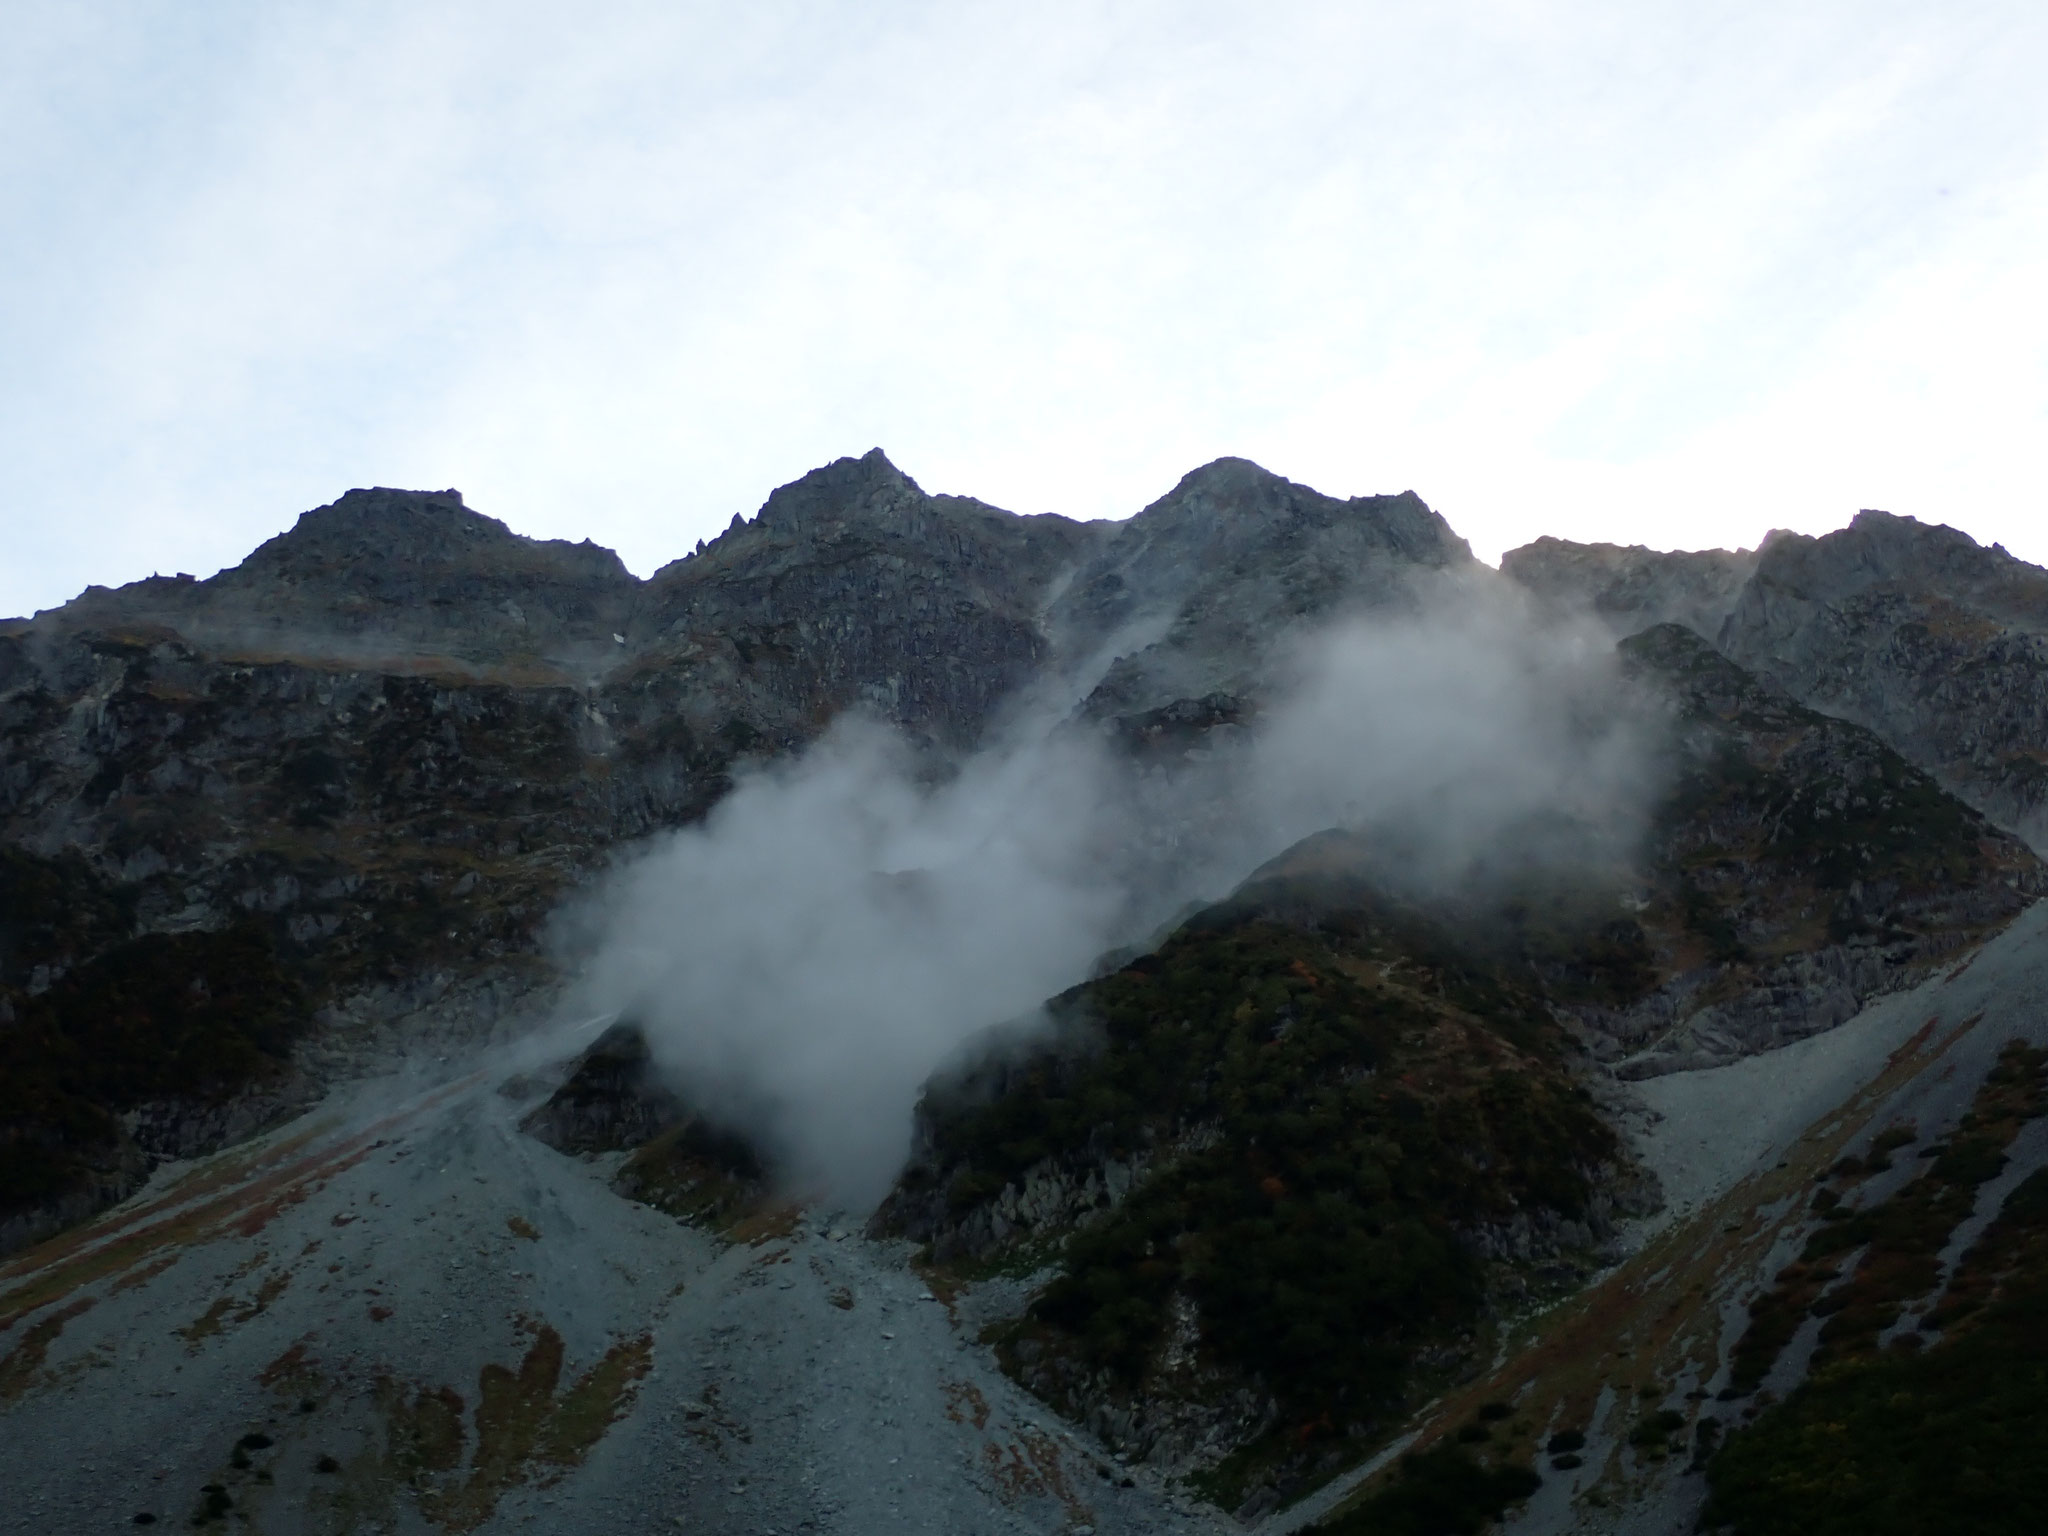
[1441, 1492]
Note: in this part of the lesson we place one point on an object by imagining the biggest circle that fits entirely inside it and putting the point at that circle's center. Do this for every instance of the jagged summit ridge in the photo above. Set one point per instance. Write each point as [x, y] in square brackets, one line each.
[851, 586]
[1195, 591]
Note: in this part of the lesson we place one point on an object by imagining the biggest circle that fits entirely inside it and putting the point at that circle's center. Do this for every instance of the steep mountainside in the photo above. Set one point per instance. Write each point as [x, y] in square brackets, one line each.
[391, 581]
[1291, 1170]
[379, 751]
[1935, 643]
[1797, 868]
[1393, 1193]
[1195, 592]
[1284, 1168]
[1631, 588]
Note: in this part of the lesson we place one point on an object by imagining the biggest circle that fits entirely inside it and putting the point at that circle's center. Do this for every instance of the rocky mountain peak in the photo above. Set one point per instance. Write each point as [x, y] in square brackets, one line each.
[359, 538]
[846, 490]
[379, 575]
[1234, 505]
[1197, 589]
[1915, 630]
[1882, 549]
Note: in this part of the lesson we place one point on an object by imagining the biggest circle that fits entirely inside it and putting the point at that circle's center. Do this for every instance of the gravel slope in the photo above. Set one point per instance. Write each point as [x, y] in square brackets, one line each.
[325, 1288]
[479, 1335]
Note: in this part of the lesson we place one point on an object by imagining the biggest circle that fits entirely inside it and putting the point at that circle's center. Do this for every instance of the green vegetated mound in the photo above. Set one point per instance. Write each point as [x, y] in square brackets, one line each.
[1946, 1428]
[1795, 866]
[1343, 1135]
[1444, 1491]
[614, 1099]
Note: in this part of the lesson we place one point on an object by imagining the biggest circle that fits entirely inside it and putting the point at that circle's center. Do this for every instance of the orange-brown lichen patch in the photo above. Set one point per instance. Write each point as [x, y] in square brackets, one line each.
[226, 1311]
[945, 1285]
[290, 1368]
[423, 1429]
[965, 1404]
[1030, 1467]
[207, 1323]
[83, 1265]
[19, 1369]
[295, 1192]
[521, 1422]
[766, 1226]
[595, 1401]
[216, 1173]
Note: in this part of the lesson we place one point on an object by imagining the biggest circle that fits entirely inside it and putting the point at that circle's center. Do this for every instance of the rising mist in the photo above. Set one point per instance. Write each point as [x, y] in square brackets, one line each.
[840, 924]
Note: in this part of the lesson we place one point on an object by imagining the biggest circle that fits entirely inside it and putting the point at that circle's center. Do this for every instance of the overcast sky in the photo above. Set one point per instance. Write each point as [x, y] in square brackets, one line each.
[1657, 273]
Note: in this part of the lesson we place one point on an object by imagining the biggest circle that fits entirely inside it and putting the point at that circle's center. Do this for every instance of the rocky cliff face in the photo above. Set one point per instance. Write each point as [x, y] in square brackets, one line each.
[1193, 594]
[1935, 643]
[388, 742]
[1278, 1183]
[1283, 1169]
[1797, 868]
[1225, 1135]
[1630, 588]
[407, 581]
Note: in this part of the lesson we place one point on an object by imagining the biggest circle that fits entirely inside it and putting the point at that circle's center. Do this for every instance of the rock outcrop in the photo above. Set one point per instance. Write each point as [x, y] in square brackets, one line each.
[1797, 868]
[1630, 588]
[1190, 599]
[1934, 642]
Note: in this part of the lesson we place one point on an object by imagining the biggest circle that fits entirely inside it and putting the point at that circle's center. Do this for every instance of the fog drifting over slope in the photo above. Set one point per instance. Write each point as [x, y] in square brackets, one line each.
[836, 929]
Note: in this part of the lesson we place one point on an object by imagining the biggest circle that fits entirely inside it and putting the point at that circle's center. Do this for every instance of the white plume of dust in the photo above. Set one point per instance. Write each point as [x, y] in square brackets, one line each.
[837, 928]
[834, 929]
[1470, 736]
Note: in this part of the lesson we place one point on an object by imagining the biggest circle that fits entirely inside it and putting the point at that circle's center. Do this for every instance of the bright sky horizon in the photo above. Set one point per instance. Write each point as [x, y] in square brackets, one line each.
[1640, 273]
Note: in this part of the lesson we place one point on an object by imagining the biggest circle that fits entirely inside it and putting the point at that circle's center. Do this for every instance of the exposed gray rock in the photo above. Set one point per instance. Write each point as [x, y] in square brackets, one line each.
[1798, 869]
[1193, 594]
[612, 1100]
[1937, 644]
[1934, 642]
[392, 580]
[1630, 588]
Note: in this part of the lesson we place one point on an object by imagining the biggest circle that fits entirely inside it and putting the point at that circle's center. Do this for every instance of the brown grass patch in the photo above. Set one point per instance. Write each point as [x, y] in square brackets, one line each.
[18, 1370]
[765, 1226]
[521, 1423]
[1030, 1467]
[965, 1404]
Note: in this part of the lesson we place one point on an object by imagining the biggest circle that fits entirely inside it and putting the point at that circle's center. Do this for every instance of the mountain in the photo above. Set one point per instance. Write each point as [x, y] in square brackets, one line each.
[1631, 588]
[1362, 1190]
[380, 751]
[1934, 642]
